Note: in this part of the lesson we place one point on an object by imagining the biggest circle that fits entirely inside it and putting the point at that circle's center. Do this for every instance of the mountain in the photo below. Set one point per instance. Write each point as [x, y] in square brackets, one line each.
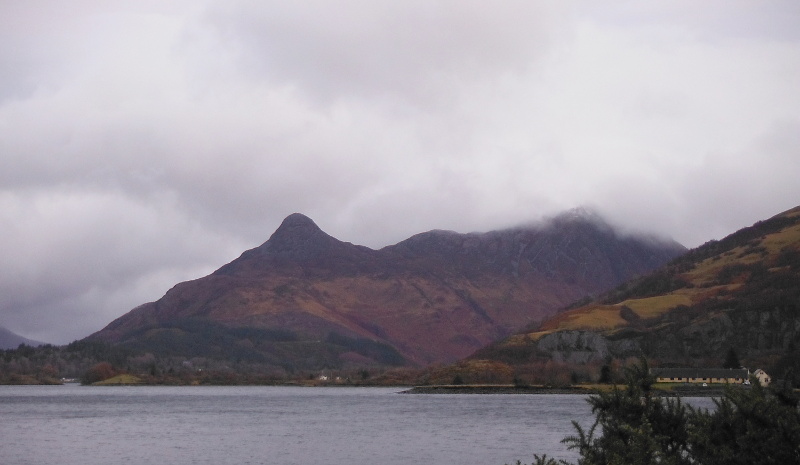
[10, 340]
[739, 295]
[306, 299]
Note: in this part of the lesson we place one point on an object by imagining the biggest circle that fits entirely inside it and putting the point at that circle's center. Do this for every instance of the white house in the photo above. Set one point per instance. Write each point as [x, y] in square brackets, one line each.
[763, 377]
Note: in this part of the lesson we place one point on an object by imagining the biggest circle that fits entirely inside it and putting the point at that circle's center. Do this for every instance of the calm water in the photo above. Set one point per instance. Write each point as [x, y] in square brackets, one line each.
[71, 425]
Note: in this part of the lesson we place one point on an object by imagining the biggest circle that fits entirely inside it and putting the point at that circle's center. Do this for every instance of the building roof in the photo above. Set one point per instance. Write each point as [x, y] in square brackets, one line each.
[700, 372]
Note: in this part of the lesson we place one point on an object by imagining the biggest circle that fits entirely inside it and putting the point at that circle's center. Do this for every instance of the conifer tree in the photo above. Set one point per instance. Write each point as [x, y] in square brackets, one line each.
[749, 425]
[731, 360]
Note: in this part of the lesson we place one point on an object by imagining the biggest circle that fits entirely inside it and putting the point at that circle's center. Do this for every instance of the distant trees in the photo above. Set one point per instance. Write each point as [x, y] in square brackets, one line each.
[98, 372]
[92, 361]
[731, 360]
[605, 375]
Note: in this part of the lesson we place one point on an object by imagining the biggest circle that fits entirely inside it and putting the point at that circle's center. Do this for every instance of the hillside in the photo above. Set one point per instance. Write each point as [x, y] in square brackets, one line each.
[306, 299]
[10, 340]
[740, 293]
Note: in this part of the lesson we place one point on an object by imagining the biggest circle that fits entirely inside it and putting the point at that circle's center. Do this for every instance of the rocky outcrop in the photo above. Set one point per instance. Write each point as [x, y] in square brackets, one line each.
[575, 346]
[708, 335]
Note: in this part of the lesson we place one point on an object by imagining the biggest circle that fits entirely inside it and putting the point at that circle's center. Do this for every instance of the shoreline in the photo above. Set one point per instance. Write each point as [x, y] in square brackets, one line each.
[497, 389]
[678, 391]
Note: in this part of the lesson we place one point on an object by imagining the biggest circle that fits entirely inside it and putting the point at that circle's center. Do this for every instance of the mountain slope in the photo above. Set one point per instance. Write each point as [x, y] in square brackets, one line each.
[10, 340]
[740, 293]
[435, 297]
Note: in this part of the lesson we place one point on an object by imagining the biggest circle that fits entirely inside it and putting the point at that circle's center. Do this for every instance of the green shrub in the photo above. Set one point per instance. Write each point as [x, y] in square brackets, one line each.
[750, 425]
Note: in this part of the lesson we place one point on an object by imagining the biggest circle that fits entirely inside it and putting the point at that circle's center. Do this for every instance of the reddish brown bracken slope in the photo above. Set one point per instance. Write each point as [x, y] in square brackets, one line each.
[435, 297]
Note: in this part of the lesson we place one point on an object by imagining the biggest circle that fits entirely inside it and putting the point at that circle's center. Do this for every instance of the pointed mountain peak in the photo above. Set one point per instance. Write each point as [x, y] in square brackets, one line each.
[298, 222]
[299, 238]
[297, 230]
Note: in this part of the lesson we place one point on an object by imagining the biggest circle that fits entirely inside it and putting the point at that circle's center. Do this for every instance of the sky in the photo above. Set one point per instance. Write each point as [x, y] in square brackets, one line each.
[144, 143]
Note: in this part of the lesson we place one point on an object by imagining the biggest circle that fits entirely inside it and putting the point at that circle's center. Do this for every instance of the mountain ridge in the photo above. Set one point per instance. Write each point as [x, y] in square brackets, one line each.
[434, 297]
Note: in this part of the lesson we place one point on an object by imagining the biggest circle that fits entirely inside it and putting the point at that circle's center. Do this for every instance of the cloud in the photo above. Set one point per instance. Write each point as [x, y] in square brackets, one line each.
[412, 53]
[87, 250]
[144, 143]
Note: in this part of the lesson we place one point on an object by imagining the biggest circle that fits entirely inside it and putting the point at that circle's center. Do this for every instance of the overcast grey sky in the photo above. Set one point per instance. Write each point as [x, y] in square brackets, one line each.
[143, 143]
